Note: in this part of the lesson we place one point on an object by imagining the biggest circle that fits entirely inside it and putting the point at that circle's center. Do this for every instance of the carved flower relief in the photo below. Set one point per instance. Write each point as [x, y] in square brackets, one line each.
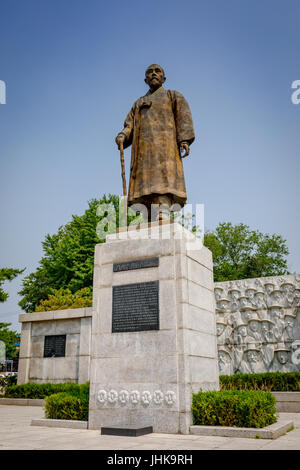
[146, 398]
[123, 397]
[170, 398]
[158, 397]
[112, 396]
[134, 397]
[102, 397]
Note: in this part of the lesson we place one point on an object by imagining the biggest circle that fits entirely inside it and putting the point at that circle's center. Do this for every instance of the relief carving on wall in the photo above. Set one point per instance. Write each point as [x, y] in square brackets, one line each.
[258, 325]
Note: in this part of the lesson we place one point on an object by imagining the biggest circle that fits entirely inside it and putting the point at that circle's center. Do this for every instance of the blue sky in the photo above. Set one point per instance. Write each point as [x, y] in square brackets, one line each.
[74, 68]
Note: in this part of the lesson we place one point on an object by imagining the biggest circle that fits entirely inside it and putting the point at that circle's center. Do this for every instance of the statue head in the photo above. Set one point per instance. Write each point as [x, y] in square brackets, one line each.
[282, 356]
[154, 76]
[220, 328]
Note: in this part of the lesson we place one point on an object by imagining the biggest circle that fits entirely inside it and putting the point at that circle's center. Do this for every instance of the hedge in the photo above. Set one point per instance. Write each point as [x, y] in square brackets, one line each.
[241, 408]
[33, 390]
[269, 381]
[73, 405]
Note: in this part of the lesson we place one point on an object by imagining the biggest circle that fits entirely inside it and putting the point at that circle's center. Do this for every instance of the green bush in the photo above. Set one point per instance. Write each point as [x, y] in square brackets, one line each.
[68, 405]
[269, 381]
[241, 408]
[33, 390]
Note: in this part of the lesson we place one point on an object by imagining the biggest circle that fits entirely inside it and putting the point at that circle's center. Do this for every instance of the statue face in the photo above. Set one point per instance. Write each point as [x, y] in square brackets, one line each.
[252, 356]
[277, 296]
[155, 76]
[288, 289]
[220, 328]
[282, 357]
[235, 295]
[259, 299]
[223, 360]
[265, 327]
[242, 330]
[269, 288]
[250, 293]
[290, 322]
[278, 312]
[254, 325]
[218, 293]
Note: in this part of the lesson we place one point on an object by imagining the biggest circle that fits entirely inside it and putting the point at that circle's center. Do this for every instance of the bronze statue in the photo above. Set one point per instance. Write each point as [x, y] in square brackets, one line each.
[159, 127]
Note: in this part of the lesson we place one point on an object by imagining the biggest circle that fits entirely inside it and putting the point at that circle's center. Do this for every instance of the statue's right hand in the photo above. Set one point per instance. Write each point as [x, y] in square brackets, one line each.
[120, 140]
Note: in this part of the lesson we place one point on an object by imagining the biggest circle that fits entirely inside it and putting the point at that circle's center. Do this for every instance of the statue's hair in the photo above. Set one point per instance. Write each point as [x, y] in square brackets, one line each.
[152, 65]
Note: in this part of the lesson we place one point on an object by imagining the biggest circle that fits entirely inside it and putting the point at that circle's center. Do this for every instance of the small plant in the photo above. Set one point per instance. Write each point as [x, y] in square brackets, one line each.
[33, 390]
[269, 381]
[241, 408]
[68, 405]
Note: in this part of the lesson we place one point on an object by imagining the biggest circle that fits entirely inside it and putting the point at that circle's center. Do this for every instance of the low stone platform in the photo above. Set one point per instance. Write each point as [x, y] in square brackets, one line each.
[60, 423]
[22, 401]
[287, 402]
[269, 432]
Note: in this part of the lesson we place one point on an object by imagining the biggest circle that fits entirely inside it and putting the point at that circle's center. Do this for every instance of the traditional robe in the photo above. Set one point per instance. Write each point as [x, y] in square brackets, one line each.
[155, 126]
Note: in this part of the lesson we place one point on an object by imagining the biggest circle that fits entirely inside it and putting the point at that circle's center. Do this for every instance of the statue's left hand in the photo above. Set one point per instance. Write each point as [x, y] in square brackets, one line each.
[184, 147]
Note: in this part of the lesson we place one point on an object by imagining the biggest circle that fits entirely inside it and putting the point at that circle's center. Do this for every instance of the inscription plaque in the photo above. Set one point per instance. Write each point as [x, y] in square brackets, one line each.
[137, 264]
[55, 346]
[135, 307]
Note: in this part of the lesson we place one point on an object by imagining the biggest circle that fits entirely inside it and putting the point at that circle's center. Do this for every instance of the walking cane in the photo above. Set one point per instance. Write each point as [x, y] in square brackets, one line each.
[124, 183]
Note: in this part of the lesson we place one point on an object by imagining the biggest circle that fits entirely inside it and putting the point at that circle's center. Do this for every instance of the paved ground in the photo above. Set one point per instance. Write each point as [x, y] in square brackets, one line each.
[16, 433]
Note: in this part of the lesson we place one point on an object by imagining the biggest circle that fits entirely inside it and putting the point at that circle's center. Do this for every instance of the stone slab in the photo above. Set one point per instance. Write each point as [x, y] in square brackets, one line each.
[22, 401]
[269, 432]
[56, 315]
[287, 402]
[287, 396]
[60, 423]
[128, 431]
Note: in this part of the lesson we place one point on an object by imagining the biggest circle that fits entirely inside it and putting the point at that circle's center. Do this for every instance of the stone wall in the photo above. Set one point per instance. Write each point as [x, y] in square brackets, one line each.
[258, 324]
[74, 366]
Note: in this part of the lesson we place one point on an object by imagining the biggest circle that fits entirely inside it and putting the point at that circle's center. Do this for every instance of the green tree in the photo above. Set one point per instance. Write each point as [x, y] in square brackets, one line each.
[68, 260]
[68, 255]
[241, 253]
[61, 299]
[10, 338]
[7, 274]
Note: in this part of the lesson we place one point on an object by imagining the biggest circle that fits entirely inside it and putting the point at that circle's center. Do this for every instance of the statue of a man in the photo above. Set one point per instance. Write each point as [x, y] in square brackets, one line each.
[159, 127]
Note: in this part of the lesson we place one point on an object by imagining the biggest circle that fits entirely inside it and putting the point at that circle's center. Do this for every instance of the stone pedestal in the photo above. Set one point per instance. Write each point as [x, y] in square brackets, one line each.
[146, 378]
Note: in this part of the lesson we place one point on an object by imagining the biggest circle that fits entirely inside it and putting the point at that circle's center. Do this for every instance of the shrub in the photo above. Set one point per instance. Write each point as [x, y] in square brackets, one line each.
[72, 405]
[33, 390]
[269, 381]
[242, 408]
[61, 299]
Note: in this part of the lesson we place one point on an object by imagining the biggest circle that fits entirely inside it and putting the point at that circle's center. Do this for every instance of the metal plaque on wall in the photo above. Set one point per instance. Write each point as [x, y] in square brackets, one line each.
[137, 264]
[55, 346]
[135, 307]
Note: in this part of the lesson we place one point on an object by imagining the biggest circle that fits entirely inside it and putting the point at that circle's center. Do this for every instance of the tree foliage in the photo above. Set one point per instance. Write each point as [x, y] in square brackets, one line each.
[68, 256]
[10, 338]
[61, 299]
[241, 253]
[7, 274]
